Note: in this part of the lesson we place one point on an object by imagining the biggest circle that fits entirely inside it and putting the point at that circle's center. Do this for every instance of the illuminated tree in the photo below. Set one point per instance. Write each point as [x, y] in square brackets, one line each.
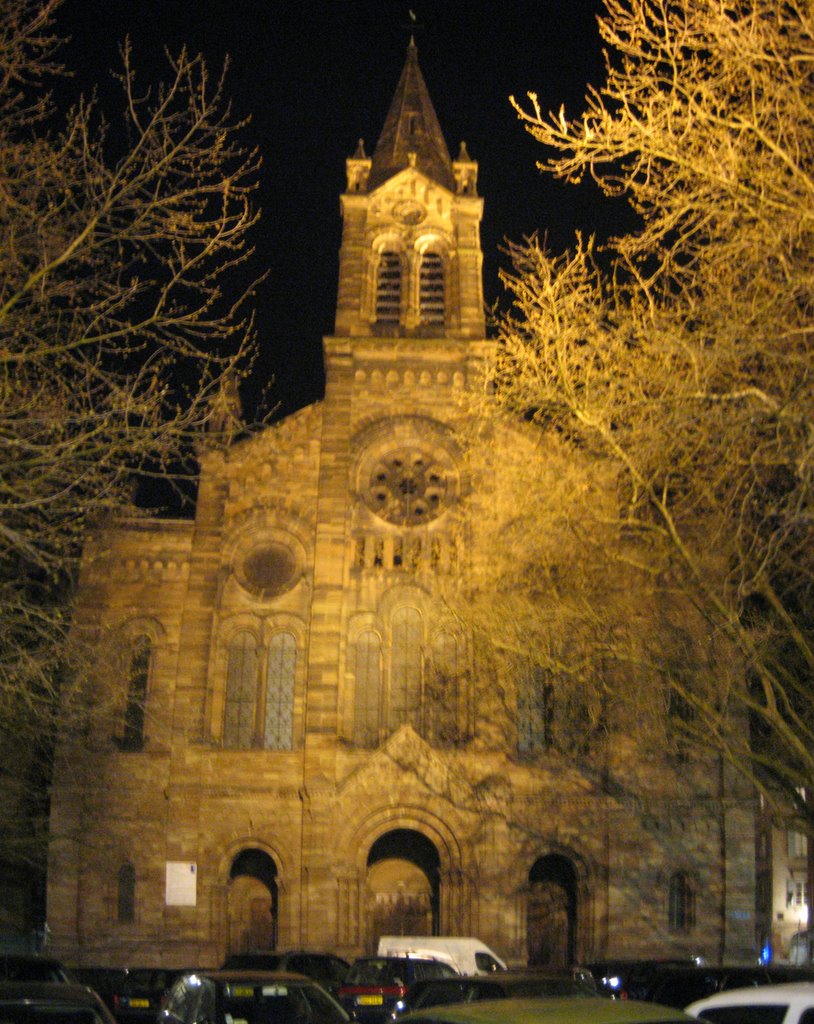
[676, 363]
[123, 327]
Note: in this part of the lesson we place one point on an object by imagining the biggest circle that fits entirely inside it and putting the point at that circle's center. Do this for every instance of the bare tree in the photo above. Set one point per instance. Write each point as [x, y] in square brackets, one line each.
[125, 321]
[676, 363]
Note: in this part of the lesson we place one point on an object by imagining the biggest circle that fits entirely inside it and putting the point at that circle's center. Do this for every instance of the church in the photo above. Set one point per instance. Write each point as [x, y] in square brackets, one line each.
[299, 758]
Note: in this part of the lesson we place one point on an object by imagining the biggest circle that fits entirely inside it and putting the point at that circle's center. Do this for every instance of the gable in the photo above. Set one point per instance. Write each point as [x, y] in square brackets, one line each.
[405, 754]
[410, 204]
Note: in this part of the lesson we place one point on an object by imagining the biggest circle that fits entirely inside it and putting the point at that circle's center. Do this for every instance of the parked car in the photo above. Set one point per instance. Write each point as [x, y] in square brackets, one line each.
[374, 984]
[681, 986]
[105, 981]
[51, 1002]
[791, 1003]
[250, 997]
[326, 968]
[32, 967]
[566, 1010]
[137, 993]
[505, 985]
[630, 979]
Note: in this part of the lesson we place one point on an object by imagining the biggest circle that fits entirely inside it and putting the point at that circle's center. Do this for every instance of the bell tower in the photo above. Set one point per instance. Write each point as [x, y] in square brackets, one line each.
[410, 262]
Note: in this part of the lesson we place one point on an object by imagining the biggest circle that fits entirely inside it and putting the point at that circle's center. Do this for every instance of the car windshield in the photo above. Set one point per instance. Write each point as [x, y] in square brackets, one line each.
[145, 980]
[439, 994]
[549, 987]
[13, 968]
[485, 962]
[254, 962]
[765, 1013]
[375, 972]
[278, 1004]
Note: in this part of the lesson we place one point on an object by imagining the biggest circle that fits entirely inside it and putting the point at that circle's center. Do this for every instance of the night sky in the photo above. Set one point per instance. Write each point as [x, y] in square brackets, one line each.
[317, 75]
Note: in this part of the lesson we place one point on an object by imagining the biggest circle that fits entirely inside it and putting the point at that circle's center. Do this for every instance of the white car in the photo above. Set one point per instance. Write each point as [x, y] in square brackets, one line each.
[790, 1003]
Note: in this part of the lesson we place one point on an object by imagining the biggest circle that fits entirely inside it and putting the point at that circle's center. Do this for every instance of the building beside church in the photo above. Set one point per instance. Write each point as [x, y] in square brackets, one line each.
[299, 758]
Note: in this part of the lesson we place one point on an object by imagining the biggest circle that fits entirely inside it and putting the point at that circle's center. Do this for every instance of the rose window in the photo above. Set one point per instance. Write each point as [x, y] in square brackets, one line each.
[407, 486]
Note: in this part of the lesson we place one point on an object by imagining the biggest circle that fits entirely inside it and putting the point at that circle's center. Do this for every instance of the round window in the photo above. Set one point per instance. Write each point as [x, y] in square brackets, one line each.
[269, 569]
[408, 486]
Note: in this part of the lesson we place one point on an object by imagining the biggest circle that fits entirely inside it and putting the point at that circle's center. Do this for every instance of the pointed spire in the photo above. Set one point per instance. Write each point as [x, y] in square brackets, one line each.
[412, 135]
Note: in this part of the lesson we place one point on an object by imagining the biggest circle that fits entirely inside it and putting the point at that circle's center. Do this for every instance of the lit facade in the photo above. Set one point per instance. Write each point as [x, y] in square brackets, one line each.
[300, 757]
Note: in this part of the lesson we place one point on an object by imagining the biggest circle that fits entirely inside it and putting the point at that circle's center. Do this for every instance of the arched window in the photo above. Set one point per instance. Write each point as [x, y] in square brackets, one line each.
[681, 904]
[126, 894]
[138, 675]
[444, 713]
[367, 689]
[241, 692]
[282, 664]
[431, 303]
[535, 712]
[388, 287]
[445, 656]
[405, 673]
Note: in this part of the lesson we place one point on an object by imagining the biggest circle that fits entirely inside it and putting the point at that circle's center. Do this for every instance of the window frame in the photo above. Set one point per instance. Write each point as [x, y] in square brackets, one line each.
[279, 691]
[138, 669]
[126, 893]
[680, 903]
[432, 288]
[367, 681]
[274, 675]
[241, 691]
[406, 667]
[388, 294]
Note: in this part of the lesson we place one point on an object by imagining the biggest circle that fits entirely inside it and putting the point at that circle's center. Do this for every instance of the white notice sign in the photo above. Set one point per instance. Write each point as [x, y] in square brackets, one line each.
[182, 878]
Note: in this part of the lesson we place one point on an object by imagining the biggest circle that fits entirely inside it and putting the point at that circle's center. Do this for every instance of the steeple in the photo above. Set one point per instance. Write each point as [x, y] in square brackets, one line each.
[412, 135]
[410, 261]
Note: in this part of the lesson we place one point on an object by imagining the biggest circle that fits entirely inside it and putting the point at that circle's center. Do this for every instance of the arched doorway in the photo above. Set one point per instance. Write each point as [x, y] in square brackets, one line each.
[403, 873]
[552, 912]
[252, 903]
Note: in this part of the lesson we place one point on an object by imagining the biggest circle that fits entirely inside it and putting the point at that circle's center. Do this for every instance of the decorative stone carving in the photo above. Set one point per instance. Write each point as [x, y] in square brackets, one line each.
[408, 486]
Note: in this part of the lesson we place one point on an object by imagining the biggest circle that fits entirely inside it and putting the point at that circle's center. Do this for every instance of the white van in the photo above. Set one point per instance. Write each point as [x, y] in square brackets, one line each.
[465, 955]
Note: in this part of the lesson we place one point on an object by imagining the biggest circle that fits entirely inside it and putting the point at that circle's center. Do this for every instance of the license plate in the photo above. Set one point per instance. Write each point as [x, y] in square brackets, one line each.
[140, 1004]
[369, 1000]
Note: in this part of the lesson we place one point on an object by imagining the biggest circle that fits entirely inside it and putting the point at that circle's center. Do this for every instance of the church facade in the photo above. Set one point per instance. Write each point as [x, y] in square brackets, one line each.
[299, 757]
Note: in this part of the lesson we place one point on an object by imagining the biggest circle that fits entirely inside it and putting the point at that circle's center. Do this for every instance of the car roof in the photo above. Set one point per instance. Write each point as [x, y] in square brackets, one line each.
[280, 954]
[52, 993]
[688, 970]
[251, 974]
[524, 972]
[46, 990]
[792, 991]
[394, 956]
[504, 977]
[554, 1010]
[666, 961]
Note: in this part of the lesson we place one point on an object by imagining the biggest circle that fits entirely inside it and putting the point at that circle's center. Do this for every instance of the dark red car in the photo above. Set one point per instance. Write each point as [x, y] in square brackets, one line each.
[374, 984]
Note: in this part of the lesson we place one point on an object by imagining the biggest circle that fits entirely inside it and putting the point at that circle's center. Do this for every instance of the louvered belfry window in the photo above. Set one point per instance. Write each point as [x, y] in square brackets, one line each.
[388, 288]
[431, 289]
